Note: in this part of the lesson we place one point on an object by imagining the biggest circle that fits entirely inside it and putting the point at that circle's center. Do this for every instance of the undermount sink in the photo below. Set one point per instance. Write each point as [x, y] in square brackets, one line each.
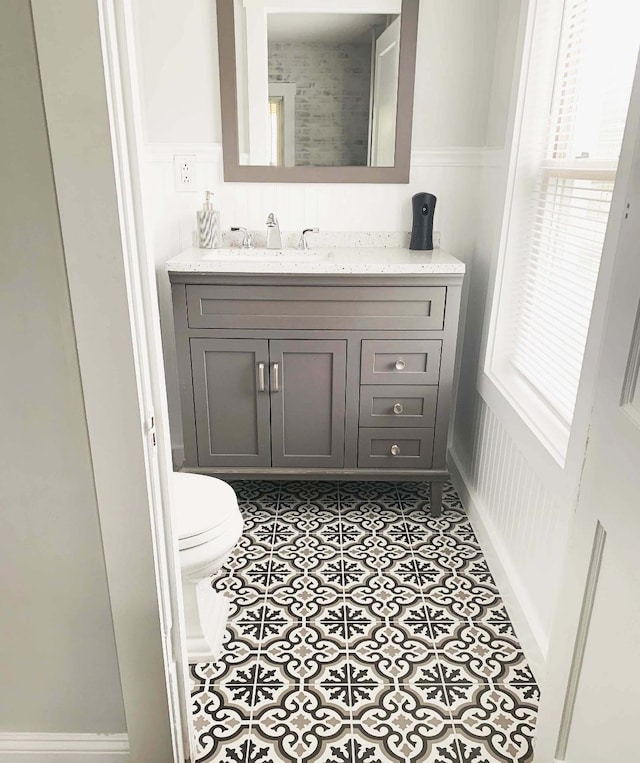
[260, 254]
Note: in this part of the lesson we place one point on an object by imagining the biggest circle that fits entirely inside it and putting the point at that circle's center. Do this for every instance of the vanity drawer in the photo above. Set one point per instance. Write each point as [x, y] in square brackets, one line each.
[399, 308]
[400, 361]
[395, 448]
[389, 405]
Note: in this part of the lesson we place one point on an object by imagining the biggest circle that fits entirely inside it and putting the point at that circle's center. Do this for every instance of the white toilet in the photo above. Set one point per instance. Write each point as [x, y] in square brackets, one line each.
[209, 524]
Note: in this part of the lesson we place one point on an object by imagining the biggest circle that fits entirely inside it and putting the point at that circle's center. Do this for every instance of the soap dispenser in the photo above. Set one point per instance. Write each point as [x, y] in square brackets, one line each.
[208, 225]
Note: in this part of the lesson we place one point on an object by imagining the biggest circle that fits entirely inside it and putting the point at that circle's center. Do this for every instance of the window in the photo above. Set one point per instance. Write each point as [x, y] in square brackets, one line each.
[577, 94]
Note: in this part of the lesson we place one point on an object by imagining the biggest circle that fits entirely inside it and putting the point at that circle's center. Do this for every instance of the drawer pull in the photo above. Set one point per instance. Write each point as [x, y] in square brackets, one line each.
[260, 377]
[398, 408]
[400, 364]
[395, 450]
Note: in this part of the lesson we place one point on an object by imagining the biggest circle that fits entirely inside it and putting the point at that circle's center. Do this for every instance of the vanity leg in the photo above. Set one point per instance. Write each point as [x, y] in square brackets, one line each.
[436, 499]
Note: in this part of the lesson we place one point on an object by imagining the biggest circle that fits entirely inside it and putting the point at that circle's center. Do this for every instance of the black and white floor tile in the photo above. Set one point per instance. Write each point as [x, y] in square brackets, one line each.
[362, 631]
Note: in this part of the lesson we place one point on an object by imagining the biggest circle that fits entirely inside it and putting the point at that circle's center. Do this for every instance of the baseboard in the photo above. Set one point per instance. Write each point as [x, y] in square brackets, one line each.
[521, 611]
[22, 747]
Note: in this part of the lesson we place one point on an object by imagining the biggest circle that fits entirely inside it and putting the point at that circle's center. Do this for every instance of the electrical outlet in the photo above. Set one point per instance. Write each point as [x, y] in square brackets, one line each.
[184, 172]
[436, 239]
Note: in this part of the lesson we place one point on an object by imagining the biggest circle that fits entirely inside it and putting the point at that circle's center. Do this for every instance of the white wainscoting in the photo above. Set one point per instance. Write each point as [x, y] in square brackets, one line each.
[450, 173]
[63, 748]
[522, 529]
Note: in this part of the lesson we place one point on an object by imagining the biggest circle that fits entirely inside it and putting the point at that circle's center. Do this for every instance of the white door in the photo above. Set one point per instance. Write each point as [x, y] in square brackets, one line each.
[385, 97]
[591, 703]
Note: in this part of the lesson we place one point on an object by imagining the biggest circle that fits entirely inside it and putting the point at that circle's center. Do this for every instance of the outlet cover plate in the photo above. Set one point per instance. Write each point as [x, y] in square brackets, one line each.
[184, 172]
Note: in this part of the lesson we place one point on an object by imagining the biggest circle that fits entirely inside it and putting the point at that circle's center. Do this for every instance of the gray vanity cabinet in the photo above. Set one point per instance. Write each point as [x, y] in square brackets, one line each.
[262, 403]
[316, 376]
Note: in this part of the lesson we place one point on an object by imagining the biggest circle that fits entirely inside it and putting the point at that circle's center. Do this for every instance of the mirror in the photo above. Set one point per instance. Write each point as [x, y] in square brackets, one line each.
[317, 91]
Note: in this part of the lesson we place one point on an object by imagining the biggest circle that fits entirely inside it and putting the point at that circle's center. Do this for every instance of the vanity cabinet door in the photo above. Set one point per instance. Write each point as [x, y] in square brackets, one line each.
[231, 401]
[308, 382]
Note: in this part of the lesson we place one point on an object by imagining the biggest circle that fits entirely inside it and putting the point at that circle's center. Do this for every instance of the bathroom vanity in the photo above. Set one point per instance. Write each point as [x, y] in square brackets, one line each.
[329, 364]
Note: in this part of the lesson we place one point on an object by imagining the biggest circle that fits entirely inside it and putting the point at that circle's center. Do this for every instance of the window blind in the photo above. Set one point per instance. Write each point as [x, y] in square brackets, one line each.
[572, 186]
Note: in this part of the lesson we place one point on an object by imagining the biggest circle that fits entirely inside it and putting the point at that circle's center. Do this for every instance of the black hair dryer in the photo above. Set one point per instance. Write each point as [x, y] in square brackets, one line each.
[424, 205]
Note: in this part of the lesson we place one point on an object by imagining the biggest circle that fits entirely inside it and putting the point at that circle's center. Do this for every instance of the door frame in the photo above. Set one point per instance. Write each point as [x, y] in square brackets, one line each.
[392, 31]
[95, 135]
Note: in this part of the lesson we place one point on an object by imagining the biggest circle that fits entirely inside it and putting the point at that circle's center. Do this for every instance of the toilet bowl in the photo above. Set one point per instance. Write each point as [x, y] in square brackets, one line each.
[208, 524]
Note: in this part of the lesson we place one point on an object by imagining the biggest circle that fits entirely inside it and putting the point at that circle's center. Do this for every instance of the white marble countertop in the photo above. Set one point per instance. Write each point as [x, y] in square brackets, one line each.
[325, 260]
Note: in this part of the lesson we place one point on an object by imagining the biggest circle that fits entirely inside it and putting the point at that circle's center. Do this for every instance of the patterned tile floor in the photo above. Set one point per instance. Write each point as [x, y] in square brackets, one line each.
[361, 631]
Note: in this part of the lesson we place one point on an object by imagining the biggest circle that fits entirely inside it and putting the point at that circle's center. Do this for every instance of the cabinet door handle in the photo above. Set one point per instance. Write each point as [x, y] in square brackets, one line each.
[400, 364]
[276, 378]
[395, 450]
[260, 377]
[398, 408]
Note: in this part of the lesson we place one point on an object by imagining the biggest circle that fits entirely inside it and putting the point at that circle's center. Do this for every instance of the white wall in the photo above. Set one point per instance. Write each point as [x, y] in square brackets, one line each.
[178, 67]
[455, 61]
[490, 195]
[59, 664]
[503, 70]
[454, 65]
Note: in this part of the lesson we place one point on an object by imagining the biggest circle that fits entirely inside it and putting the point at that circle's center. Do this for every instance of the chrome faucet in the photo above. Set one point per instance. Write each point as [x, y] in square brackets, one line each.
[303, 243]
[274, 240]
[247, 238]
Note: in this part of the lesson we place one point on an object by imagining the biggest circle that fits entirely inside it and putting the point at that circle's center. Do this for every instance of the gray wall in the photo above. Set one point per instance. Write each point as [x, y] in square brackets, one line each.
[332, 99]
[59, 666]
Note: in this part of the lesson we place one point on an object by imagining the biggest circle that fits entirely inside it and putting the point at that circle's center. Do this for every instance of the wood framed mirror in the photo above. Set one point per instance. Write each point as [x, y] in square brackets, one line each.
[317, 92]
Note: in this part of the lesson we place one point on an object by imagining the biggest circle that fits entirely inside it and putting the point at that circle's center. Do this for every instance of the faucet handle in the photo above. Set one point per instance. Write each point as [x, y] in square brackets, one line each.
[247, 238]
[303, 243]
